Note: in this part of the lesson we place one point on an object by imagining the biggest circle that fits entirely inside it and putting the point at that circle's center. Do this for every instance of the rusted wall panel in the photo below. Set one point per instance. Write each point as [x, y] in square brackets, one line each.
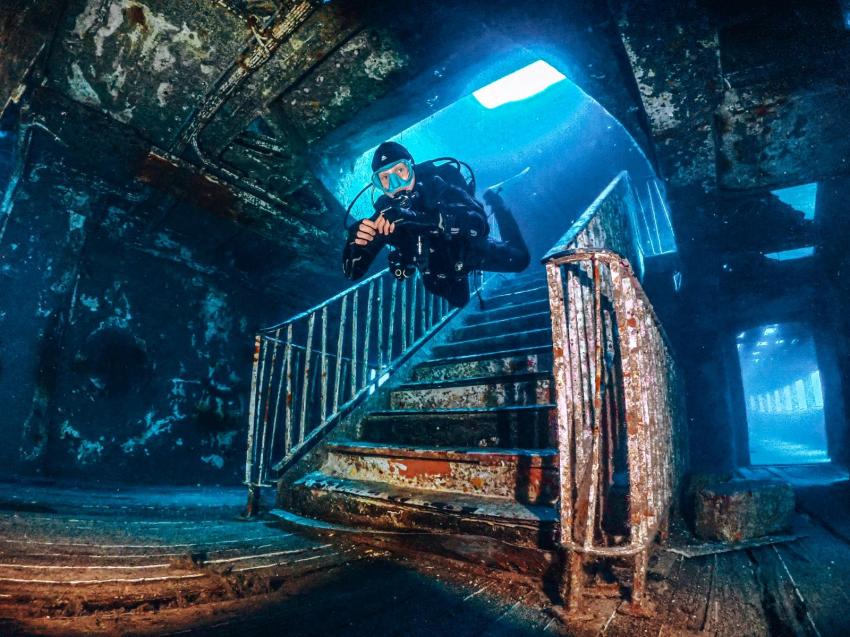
[770, 138]
[674, 54]
[146, 63]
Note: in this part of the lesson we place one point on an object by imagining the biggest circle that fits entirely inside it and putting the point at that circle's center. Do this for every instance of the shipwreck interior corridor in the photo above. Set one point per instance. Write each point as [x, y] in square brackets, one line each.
[784, 395]
[492, 318]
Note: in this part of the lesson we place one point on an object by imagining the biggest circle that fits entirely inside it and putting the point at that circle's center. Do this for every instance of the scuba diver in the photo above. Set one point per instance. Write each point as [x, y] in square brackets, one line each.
[429, 215]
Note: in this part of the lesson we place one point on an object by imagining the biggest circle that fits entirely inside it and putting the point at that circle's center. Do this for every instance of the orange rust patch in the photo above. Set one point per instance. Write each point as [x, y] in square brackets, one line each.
[415, 468]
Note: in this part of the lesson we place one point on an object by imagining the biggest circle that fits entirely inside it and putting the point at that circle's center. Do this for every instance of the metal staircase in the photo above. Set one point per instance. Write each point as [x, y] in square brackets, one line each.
[549, 422]
[466, 446]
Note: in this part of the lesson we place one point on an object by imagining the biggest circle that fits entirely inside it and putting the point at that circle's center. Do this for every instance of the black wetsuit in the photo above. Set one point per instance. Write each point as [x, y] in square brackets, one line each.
[443, 233]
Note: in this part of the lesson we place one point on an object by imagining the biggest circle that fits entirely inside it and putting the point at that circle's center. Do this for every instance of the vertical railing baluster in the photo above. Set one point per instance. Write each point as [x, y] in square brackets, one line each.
[379, 340]
[264, 355]
[287, 419]
[354, 303]
[403, 323]
[305, 388]
[280, 383]
[663, 204]
[340, 343]
[252, 415]
[390, 338]
[414, 285]
[367, 335]
[423, 309]
[596, 444]
[296, 374]
[558, 314]
[267, 406]
[323, 414]
[654, 215]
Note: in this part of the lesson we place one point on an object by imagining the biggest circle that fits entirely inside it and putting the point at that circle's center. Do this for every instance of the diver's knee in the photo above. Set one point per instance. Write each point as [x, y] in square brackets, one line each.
[523, 260]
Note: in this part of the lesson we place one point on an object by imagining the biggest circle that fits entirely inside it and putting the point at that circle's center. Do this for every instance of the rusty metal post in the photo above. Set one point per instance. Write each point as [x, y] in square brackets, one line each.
[598, 402]
[252, 506]
[574, 582]
[340, 343]
[287, 418]
[252, 421]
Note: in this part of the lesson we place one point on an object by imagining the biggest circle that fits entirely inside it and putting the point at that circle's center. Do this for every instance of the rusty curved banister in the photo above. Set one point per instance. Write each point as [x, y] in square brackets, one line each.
[618, 392]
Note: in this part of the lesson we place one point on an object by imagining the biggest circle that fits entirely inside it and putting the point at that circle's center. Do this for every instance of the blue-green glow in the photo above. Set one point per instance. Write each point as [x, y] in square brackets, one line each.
[802, 198]
[790, 255]
[519, 85]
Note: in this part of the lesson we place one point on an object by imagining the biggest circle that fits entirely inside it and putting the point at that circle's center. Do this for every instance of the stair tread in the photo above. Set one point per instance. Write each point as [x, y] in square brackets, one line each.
[481, 455]
[461, 411]
[523, 290]
[469, 381]
[504, 325]
[504, 509]
[483, 340]
[463, 358]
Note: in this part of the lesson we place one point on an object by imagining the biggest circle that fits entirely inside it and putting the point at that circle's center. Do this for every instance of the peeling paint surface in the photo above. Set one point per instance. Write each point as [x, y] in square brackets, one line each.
[127, 50]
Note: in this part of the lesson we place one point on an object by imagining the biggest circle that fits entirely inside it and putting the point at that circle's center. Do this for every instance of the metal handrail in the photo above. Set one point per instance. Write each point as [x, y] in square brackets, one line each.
[618, 392]
[302, 386]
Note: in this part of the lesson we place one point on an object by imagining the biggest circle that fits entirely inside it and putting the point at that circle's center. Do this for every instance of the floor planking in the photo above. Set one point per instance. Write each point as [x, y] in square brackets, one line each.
[319, 587]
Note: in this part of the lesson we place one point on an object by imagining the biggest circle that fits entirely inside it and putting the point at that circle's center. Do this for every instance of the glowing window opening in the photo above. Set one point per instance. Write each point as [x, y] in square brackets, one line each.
[783, 395]
[791, 255]
[519, 85]
[802, 198]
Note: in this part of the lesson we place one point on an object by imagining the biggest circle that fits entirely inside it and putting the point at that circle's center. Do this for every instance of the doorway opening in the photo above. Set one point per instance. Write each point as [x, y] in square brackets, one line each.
[783, 394]
[555, 146]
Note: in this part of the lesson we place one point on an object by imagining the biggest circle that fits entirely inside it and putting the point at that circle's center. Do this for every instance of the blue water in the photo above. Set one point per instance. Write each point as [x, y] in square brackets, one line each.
[784, 395]
[572, 145]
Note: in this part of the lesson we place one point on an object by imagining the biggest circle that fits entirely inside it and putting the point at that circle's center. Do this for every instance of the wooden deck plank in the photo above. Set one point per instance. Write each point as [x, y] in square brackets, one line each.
[735, 607]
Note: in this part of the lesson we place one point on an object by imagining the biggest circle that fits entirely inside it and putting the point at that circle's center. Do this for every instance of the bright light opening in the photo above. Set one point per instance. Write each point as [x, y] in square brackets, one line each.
[790, 255]
[519, 85]
[784, 396]
[845, 10]
[801, 198]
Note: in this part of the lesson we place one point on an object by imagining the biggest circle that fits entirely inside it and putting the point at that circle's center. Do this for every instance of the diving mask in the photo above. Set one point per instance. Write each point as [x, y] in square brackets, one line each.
[394, 177]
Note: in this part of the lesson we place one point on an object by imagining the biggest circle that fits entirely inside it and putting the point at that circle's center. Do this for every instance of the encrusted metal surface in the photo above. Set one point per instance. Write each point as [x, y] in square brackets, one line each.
[618, 394]
[527, 476]
[300, 387]
[484, 394]
[482, 367]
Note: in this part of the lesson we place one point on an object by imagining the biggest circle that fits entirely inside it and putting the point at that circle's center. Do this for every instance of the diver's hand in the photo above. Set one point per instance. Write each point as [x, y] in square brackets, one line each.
[383, 225]
[369, 229]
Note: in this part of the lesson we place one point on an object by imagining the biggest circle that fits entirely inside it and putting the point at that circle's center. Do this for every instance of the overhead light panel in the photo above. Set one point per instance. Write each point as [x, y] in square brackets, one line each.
[519, 85]
[790, 255]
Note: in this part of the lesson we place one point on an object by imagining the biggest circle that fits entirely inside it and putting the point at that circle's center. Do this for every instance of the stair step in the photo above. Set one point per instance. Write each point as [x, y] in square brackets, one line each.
[509, 286]
[523, 475]
[525, 427]
[532, 359]
[525, 295]
[519, 340]
[384, 507]
[483, 391]
[509, 325]
[509, 311]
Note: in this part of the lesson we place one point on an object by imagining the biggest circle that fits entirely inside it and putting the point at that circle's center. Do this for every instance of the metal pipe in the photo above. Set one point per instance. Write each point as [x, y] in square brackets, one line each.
[287, 421]
[354, 303]
[324, 406]
[305, 390]
[252, 403]
[367, 335]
